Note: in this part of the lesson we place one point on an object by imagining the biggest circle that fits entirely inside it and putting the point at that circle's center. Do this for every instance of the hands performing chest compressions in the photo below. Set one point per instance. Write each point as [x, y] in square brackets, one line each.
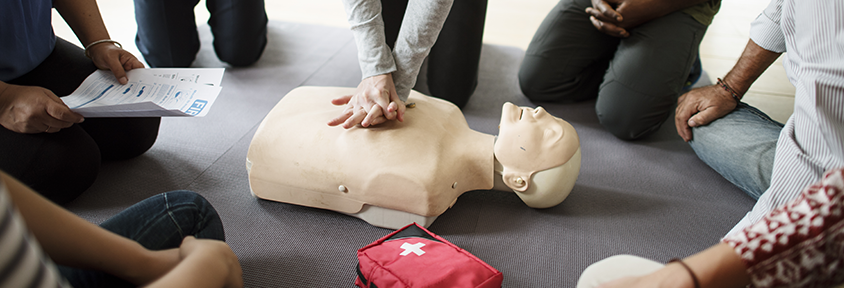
[397, 173]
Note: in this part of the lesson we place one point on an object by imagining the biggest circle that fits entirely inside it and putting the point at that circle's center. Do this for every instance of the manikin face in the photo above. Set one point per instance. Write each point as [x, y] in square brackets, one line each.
[531, 140]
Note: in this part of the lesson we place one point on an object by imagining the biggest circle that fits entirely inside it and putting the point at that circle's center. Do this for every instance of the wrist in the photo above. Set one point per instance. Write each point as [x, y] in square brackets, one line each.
[673, 275]
[149, 265]
[98, 42]
[688, 272]
[730, 90]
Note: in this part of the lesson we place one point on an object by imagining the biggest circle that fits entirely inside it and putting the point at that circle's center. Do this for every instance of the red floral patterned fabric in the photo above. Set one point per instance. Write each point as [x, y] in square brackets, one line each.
[800, 244]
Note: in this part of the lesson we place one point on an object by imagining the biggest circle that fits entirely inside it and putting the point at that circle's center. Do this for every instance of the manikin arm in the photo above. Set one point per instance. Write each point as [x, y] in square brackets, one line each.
[72, 241]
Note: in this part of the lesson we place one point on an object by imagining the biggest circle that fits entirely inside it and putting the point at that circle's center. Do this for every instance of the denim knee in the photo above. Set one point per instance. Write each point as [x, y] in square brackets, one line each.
[194, 214]
[740, 146]
[163, 220]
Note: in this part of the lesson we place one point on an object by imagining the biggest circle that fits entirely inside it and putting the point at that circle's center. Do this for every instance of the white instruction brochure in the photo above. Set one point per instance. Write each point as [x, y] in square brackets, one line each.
[151, 92]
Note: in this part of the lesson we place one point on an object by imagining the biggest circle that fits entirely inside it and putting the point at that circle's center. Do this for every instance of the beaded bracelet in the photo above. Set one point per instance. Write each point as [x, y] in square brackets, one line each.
[730, 90]
[692, 273]
[98, 42]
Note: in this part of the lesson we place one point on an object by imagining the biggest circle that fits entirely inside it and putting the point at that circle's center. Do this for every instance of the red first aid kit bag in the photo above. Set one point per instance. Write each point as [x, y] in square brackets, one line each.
[414, 257]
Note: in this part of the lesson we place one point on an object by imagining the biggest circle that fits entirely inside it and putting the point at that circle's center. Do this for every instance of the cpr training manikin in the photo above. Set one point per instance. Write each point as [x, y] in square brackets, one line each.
[397, 173]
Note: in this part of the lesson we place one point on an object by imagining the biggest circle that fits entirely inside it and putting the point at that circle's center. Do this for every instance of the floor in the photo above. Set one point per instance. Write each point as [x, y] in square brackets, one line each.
[660, 202]
[512, 23]
[653, 198]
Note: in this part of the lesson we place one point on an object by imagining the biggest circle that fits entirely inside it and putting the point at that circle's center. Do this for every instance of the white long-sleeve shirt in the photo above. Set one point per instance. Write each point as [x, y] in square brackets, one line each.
[812, 141]
[419, 30]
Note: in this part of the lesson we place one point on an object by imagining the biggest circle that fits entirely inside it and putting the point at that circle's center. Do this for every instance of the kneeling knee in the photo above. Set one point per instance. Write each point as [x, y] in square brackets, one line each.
[65, 177]
[626, 128]
[239, 54]
[533, 87]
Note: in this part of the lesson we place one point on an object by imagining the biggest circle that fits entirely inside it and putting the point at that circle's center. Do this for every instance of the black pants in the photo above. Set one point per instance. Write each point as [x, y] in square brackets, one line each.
[167, 35]
[64, 164]
[636, 79]
[453, 61]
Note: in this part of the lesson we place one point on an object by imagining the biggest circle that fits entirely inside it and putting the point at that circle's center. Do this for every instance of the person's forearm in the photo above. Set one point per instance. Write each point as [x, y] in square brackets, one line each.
[718, 267]
[3, 87]
[423, 21]
[73, 241]
[367, 26]
[194, 271]
[752, 63]
[205, 268]
[83, 16]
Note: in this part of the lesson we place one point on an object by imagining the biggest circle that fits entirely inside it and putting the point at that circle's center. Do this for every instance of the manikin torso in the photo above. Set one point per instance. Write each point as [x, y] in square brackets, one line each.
[416, 168]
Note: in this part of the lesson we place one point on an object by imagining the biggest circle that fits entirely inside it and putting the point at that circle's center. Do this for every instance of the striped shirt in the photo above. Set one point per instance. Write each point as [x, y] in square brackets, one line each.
[22, 263]
[812, 140]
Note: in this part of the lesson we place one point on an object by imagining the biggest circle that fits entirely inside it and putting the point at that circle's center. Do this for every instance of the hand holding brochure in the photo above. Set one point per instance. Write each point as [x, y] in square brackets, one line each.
[151, 92]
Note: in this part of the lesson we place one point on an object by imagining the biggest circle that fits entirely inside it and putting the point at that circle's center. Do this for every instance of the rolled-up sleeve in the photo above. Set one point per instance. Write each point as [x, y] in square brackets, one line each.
[766, 31]
[367, 25]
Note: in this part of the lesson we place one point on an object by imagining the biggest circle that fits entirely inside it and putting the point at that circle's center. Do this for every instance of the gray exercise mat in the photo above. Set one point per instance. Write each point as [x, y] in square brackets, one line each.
[652, 198]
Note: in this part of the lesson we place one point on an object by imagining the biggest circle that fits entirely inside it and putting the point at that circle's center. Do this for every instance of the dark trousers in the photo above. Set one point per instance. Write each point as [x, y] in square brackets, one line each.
[159, 222]
[64, 164]
[636, 80]
[167, 35]
[453, 62]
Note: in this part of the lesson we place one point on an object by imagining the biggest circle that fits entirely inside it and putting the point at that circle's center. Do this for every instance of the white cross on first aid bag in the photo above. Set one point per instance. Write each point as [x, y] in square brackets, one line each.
[414, 257]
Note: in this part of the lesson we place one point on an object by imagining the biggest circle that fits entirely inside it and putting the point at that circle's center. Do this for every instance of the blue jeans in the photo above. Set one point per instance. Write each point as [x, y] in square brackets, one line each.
[157, 223]
[740, 146]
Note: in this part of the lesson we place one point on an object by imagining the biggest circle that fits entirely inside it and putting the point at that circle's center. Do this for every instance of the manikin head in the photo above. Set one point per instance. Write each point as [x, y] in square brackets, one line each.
[539, 155]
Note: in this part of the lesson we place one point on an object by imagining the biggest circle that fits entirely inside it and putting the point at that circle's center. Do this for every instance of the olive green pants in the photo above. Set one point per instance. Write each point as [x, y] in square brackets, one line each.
[636, 79]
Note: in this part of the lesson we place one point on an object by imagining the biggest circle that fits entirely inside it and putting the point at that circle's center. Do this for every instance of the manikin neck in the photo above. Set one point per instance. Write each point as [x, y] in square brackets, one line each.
[498, 170]
[498, 181]
[478, 152]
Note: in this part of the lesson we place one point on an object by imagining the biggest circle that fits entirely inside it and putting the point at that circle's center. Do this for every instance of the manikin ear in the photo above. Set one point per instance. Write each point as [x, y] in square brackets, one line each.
[516, 181]
[553, 134]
